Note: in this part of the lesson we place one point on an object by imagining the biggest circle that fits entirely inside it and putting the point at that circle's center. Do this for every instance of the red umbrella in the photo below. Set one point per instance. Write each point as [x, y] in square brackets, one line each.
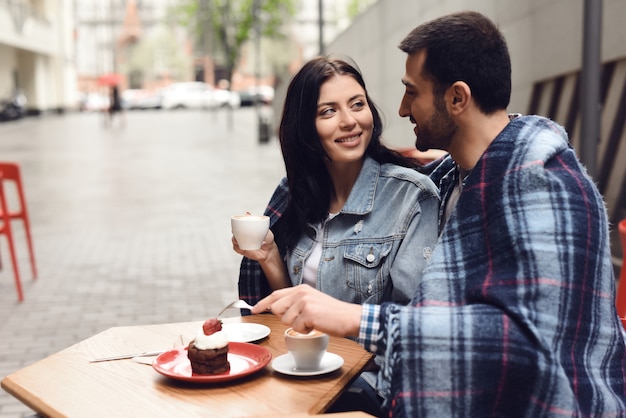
[111, 79]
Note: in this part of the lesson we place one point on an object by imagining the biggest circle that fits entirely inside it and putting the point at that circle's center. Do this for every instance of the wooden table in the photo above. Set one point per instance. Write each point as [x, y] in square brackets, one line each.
[67, 384]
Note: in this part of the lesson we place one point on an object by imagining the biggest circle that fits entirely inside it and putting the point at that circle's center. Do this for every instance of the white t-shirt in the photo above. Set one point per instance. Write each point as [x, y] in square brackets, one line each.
[456, 192]
[312, 263]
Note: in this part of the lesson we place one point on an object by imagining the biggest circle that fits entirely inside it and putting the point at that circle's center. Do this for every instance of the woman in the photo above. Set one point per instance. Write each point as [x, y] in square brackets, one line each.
[352, 218]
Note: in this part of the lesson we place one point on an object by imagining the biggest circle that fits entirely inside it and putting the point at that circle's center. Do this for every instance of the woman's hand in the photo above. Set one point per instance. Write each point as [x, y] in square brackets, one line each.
[270, 260]
[262, 253]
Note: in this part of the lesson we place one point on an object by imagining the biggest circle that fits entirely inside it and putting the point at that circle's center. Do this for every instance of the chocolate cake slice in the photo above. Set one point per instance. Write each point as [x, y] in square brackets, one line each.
[211, 361]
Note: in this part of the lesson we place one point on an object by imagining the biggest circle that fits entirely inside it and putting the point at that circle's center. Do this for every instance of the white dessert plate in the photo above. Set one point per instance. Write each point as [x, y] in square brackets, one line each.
[244, 359]
[245, 332]
[284, 364]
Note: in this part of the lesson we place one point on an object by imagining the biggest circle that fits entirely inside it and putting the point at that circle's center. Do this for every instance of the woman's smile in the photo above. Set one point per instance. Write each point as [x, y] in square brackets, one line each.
[351, 140]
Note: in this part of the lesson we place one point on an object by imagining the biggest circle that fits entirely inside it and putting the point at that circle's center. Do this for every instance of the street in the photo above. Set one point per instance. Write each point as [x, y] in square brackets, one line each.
[131, 225]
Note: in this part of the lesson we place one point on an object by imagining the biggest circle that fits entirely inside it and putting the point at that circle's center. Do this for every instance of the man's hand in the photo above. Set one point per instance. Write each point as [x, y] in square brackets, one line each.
[305, 308]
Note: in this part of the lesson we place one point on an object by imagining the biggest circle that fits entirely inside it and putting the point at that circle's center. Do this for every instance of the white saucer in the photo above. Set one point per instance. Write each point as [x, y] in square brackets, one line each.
[284, 364]
[245, 332]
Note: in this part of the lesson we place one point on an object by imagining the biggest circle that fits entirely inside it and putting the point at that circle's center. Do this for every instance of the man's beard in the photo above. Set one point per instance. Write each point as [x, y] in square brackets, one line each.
[437, 133]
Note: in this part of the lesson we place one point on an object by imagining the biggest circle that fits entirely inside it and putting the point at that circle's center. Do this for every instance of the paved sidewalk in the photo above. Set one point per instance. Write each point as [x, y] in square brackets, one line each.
[130, 225]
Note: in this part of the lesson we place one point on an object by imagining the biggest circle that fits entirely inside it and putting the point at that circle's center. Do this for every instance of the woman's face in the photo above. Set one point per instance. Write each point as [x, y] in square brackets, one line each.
[344, 120]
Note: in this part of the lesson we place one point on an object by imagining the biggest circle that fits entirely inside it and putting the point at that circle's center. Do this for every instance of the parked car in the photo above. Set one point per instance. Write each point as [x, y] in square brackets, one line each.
[93, 102]
[141, 99]
[262, 94]
[226, 98]
[188, 95]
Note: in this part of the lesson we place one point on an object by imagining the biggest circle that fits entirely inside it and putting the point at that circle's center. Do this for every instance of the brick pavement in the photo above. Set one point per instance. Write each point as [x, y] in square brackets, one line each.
[130, 224]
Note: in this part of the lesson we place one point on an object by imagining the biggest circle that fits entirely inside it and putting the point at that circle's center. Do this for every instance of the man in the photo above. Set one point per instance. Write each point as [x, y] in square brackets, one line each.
[515, 312]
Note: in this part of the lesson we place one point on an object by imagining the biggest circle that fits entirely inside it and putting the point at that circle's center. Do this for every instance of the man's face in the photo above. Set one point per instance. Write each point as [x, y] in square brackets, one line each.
[434, 127]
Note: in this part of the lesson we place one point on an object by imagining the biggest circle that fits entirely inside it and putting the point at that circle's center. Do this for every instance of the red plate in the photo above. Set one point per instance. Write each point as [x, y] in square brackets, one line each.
[244, 358]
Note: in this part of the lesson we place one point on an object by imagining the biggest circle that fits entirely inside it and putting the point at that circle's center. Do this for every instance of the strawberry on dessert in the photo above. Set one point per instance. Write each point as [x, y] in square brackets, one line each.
[211, 326]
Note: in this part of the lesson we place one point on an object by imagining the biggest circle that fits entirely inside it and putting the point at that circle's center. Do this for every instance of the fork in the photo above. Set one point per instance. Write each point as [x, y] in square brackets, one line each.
[236, 304]
[138, 356]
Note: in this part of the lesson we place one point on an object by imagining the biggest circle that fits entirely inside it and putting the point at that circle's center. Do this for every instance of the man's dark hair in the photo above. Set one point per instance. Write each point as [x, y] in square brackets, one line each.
[468, 47]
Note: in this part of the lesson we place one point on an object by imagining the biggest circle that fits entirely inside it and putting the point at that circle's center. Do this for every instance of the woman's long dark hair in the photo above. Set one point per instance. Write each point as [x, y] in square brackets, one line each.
[307, 176]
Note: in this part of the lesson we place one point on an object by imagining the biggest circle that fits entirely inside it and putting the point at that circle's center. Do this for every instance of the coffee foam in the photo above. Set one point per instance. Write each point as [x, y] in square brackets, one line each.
[249, 217]
[311, 334]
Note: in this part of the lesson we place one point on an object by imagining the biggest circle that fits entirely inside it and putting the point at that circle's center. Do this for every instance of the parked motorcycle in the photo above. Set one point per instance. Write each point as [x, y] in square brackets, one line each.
[13, 108]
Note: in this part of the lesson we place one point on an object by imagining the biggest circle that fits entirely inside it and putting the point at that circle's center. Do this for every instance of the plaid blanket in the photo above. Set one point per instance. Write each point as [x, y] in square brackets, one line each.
[515, 314]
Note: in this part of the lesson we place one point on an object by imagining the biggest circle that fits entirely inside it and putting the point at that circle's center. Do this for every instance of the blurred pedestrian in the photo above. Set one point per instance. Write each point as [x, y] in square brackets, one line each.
[115, 106]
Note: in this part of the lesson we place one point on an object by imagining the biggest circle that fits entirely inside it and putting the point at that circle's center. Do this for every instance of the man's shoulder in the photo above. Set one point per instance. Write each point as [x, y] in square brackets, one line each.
[525, 141]
[531, 126]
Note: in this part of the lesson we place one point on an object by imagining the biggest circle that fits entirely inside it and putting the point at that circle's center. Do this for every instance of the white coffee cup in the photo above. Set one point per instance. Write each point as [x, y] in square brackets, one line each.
[307, 350]
[249, 230]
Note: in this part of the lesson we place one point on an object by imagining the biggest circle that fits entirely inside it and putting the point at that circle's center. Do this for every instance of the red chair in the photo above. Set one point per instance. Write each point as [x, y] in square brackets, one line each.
[620, 300]
[11, 172]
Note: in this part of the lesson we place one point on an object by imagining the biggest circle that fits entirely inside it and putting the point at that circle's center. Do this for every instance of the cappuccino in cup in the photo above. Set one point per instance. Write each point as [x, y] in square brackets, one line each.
[308, 349]
[249, 230]
[315, 333]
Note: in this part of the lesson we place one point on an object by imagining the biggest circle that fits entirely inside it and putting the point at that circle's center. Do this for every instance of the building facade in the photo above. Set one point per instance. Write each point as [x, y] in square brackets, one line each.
[37, 54]
[131, 38]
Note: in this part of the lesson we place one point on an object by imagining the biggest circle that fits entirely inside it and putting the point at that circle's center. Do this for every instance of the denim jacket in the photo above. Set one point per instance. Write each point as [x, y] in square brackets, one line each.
[376, 247]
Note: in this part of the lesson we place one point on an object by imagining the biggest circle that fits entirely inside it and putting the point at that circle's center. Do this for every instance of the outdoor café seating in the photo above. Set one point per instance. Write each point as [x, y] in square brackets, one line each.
[112, 384]
[10, 173]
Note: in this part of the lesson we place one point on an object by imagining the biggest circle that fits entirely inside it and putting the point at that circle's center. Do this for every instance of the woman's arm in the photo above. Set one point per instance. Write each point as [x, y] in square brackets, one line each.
[270, 260]
[253, 285]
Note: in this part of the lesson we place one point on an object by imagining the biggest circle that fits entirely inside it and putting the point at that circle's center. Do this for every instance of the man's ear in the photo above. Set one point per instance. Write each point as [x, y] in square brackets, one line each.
[458, 96]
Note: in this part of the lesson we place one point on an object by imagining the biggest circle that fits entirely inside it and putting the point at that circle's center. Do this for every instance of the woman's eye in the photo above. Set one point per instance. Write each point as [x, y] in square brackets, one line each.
[327, 112]
[358, 105]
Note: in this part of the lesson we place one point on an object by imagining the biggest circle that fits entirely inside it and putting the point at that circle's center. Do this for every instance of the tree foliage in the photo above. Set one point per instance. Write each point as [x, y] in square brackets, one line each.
[223, 26]
[356, 7]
